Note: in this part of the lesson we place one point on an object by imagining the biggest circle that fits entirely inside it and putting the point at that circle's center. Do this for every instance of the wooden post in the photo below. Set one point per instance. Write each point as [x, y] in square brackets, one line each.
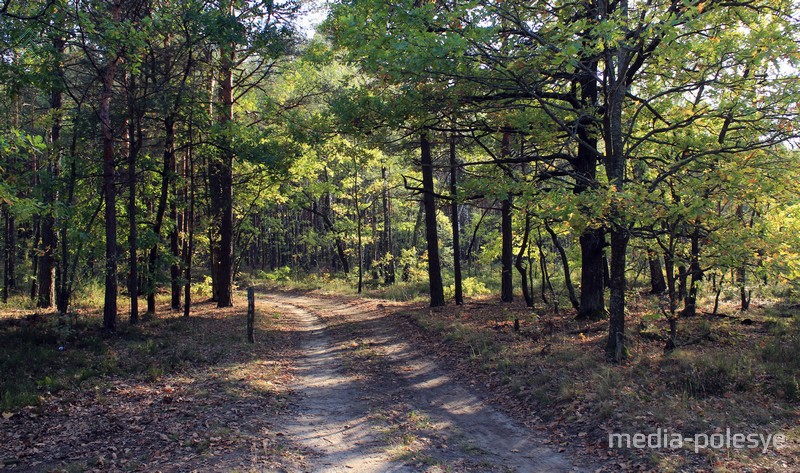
[251, 314]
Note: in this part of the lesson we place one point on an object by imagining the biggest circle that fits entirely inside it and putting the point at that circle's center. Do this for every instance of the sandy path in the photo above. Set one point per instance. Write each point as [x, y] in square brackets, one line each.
[330, 420]
[350, 406]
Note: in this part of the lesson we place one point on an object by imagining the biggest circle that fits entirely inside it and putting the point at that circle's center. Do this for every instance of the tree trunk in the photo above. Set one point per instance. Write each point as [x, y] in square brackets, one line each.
[657, 283]
[360, 248]
[104, 111]
[175, 250]
[507, 236]
[696, 274]
[543, 268]
[134, 144]
[431, 234]
[593, 279]
[46, 277]
[615, 347]
[459, 292]
[167, 176]
[526, 290]
[565, 264]
[64, 282]
[189, 241]
[221, 177]
[592, 239]
[7, 251]
[388, 251]
[616, 158]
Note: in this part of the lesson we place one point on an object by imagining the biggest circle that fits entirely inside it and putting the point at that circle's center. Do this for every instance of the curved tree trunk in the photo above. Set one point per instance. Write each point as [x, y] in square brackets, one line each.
[519, 263]
[565, 264]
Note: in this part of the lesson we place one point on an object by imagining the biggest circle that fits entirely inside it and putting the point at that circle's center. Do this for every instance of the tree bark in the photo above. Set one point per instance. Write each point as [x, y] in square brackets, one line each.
[109, 171]
[459, 292]
[46, 277]
[431, 233]
[386, 241]
[519, 262]
[506, 235]
[657, 283]
[565, 264]
[616, 71]
[221, 177]
[167, 176]
[695, 273]
[592, 239]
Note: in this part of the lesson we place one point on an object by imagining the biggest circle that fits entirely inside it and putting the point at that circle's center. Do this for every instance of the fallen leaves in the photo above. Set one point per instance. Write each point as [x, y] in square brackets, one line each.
[204, 414]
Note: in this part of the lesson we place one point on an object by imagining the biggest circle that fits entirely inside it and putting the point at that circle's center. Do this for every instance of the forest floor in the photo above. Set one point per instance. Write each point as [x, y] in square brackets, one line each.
[340, 383]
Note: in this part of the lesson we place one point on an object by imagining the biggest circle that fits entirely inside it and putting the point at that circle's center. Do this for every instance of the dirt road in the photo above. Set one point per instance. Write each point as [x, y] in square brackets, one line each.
[367, 401]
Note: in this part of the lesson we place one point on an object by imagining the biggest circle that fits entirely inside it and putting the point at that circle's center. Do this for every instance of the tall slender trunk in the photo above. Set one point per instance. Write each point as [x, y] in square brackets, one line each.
[134, 133]
[221, 177]
[459, 293]
[7, 251]
[167, 177]
[431, 233]
[507, 252]
[360, 249]
[189, 241]
[109, 171]
[46, 277]
[64, 284]
[616, 72]
[175, 249]
[388, 251]
[506, 234]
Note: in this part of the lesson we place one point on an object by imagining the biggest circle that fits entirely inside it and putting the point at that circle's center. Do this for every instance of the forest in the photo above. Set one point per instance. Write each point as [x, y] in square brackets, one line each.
[581, 158]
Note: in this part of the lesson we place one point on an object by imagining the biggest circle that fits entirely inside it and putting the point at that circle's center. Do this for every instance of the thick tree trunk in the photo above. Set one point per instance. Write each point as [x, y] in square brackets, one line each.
[221, 178]
[459, 292]
[592, 239]
[615, 347]
[593, 279]
[657, 283]
[431, 233]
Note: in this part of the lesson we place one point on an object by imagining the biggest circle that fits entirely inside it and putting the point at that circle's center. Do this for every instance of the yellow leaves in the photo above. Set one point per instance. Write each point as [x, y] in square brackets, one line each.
[700, 7]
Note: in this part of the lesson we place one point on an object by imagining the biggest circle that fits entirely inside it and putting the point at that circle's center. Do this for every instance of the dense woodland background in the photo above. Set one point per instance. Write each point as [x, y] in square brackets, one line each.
[564, 152]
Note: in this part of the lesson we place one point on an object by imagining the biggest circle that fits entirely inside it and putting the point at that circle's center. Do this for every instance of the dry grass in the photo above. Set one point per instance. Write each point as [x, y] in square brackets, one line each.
[729, 374]
[187, 390]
